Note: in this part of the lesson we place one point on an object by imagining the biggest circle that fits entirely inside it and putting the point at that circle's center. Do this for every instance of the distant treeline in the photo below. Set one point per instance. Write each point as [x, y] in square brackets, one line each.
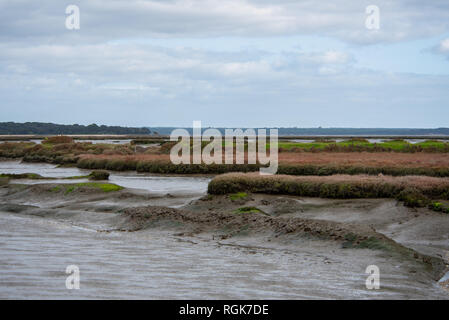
[55, 129]
[51, 128]
[334, 131]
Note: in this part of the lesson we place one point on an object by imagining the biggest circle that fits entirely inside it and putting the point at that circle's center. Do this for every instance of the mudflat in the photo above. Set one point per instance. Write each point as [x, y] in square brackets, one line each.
[216, 246]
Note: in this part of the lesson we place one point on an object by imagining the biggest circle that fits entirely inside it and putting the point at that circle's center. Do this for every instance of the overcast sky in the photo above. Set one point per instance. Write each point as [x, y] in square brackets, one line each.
[236, 63]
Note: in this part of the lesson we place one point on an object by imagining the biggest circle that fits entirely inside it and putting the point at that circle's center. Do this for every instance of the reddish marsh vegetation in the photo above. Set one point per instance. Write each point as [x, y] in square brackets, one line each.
[156, 159]
[336, 186]
[368, 159]
[396, 164]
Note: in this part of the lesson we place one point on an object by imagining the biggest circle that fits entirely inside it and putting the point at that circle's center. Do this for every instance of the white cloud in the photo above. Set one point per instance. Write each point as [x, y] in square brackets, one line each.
[252, 68]
[335, 57]
[444, 45]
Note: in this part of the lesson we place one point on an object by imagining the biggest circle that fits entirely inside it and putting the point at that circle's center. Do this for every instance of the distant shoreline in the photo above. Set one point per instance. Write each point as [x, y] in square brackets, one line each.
[37, 130]
[27, 137]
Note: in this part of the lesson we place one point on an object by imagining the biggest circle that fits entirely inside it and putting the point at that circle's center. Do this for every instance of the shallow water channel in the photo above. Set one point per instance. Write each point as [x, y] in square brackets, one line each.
[131, 179]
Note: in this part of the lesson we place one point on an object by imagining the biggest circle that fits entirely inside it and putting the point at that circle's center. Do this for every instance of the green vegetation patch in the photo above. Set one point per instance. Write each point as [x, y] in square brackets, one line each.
[373, 243]
[99, 175]
[350, 238]
[105, 187]
[238, 196]
[69, 189]
[439, 207]
[36, 176]
[433, 144]
[22, 176]
[413, 192]
[397, 145]
[55, 189]
[413, 198]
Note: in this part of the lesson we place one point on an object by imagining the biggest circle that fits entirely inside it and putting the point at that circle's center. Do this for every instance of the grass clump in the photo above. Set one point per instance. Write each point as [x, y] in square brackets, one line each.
[438, 207]
[238, 196]
[105, 187]
[413, 198]
[69, 189]
[373, 243]
[99, 175]
[350, 238]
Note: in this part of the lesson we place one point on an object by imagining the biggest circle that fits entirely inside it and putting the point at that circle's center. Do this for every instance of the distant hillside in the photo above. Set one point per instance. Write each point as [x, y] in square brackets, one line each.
[51, 128]
[336, 131]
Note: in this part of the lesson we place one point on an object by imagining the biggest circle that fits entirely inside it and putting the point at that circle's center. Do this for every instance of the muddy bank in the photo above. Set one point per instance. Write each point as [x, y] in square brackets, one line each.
[296, 242]
[89, 196]
[224, 225]
[377, 224]
[421, 229]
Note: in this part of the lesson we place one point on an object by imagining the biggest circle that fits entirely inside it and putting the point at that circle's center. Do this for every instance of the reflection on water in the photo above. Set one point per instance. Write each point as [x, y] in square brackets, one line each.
[161, 184]
[150, 182]
[371, 140]
[301, 141]
[93, 141]
[44, 169]
[124, 141]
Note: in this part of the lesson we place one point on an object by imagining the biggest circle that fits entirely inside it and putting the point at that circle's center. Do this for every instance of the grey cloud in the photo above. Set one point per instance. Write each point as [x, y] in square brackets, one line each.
[101, 73]
[101, 21]
[168, 86]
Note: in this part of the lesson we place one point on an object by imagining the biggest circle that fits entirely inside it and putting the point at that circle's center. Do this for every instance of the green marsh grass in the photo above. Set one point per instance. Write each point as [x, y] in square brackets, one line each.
[238, 196]
[105, 187]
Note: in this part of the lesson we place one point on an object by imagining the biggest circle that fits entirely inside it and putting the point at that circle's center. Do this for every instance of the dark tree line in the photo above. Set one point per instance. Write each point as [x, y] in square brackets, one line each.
[335, 131]
[51, 128]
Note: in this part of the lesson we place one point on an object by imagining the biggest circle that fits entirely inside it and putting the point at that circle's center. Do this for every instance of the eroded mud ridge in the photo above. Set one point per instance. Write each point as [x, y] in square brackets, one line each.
[233, 222]
[410, 245]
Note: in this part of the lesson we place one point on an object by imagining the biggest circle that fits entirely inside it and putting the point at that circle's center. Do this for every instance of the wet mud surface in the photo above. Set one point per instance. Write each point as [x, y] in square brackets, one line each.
[164, 237]
[135, 244]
